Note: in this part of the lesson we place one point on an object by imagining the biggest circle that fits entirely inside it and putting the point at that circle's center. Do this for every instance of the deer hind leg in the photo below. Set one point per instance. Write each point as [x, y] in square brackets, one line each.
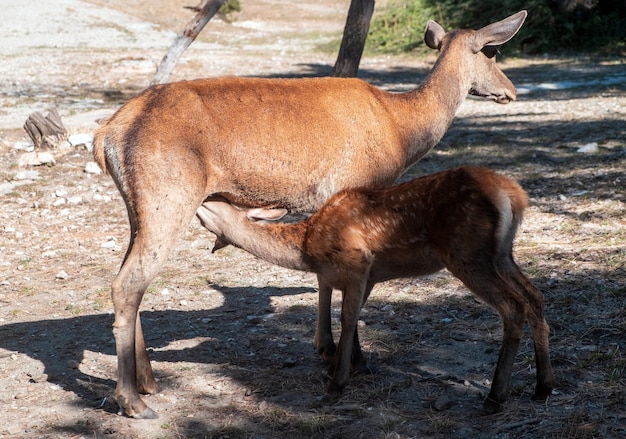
[540, 333]
[516, 300]
[323, 340]
[339, 368]
[358, 362]
[153, 234]
[483, 280]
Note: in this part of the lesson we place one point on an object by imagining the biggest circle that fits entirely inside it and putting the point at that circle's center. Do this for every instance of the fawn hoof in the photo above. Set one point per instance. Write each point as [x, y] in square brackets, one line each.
[364, 369]
[333, 393]
[542, 393]
[491, 406]
[327, 352]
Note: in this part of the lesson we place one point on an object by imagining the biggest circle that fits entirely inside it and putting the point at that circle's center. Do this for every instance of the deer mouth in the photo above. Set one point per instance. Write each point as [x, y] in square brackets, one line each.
[500, 98]
[508, 97]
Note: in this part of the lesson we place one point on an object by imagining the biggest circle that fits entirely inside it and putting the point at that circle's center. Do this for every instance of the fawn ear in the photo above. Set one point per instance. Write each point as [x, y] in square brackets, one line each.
[260, 214]
[498, 33]
[434, 34]
[219, 243]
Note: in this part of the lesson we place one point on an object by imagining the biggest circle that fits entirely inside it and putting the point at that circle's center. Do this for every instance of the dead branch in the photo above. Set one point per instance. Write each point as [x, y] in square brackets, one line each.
[184, 39]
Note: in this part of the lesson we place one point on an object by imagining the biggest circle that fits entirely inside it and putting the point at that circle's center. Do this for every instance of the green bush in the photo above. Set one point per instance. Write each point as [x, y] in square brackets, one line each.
[597, 26]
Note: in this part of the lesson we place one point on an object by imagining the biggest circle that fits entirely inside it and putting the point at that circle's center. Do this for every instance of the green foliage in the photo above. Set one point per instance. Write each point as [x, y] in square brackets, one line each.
[229, 7]
[400, 26]
[552, 25]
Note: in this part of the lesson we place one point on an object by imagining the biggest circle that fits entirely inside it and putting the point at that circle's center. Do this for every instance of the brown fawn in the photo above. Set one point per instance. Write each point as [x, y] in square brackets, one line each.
[464, 219]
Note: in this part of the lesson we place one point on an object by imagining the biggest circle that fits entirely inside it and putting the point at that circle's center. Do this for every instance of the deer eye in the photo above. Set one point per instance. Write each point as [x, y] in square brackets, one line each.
[490, 51]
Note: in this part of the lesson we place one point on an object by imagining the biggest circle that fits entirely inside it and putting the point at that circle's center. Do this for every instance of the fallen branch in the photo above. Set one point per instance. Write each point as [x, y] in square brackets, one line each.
[520, 424]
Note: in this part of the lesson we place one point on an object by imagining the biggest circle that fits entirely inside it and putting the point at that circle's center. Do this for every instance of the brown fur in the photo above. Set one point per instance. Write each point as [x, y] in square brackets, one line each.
[291, 143]
[463, 219]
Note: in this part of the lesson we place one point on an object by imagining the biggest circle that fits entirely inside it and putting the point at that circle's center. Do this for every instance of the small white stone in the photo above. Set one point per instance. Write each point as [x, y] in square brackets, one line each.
[80, 139]
[24, 146]
[60, 193]
[27, 175]
[59, 202]
[75, 200]
[36, 159]
[589, 148]
[92, 168]
[61, 275]
[165, 292]
[109, 244]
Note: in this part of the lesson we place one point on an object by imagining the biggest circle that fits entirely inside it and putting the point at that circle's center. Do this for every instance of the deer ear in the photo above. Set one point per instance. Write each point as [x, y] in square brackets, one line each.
[434, 34]
[498, 33]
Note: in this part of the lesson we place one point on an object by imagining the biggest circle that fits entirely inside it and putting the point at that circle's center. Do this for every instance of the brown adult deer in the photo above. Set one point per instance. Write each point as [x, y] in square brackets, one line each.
[463, 219]
[269, 142]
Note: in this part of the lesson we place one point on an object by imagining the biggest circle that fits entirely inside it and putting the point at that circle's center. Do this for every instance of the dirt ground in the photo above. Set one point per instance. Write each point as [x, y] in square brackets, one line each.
[230, 336]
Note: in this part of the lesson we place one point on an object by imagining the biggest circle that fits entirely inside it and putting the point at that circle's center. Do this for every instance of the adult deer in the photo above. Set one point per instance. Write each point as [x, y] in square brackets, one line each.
[463, 219]
[269, 142]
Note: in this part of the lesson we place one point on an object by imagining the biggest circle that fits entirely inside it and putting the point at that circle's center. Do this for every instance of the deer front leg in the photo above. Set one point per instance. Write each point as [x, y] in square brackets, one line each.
[146, 383]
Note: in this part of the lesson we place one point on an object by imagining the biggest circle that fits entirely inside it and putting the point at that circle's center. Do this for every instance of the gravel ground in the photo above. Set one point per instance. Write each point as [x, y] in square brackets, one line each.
[231, 336]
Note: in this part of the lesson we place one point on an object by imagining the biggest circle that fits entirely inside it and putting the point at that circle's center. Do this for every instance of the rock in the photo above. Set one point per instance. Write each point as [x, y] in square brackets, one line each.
[36, 159]
[442, 403]
[81, 139]
[109, 244]
[24, 146]
[589, 148]
[77, 199]
[61, 275]
[27, 175]
[290, 362]
[92, 168]
[6, 188]
[38, 377]
[104, 198]
[14, 429]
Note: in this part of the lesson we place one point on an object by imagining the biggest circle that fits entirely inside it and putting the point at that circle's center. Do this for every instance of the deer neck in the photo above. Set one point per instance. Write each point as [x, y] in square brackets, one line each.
[428, 111]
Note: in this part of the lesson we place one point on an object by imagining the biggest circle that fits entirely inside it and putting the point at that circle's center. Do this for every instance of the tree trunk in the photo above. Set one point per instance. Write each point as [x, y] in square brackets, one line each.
[354, 36]
[185, 38]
